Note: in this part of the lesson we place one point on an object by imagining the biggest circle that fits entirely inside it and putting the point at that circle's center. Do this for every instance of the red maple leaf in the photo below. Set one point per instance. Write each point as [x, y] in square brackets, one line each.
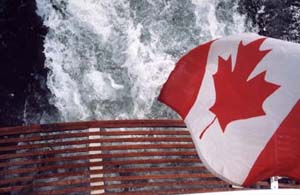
[236, 96]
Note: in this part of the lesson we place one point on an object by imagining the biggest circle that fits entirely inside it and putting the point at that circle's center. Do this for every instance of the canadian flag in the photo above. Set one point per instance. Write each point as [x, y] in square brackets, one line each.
[239, 97]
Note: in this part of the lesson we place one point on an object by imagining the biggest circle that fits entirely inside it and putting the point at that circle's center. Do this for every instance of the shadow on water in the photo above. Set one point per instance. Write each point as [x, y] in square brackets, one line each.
[23, 91]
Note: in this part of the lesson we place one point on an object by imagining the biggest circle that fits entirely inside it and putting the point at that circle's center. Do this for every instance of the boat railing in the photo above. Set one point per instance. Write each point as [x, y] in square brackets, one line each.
[105, 157]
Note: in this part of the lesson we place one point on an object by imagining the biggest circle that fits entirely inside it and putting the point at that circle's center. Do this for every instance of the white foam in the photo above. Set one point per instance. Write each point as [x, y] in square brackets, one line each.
[109, 58]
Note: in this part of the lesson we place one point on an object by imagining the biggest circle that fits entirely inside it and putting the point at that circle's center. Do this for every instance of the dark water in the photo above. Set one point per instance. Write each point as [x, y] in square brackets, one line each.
[274, 18]
[22, 61]
[24, 89]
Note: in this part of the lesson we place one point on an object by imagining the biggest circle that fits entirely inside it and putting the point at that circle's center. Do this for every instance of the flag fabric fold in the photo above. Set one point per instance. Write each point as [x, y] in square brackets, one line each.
[184, 82]
[239, 97]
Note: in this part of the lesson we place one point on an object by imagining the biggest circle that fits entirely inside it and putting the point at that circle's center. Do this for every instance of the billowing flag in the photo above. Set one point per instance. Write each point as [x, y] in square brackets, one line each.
[239, 97]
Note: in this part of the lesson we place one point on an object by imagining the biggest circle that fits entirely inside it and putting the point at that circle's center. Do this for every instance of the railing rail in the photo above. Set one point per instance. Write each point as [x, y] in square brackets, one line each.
[90, 124]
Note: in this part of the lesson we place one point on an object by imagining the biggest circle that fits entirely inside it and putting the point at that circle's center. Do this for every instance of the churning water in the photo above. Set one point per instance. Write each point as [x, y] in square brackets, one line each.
[108, 59]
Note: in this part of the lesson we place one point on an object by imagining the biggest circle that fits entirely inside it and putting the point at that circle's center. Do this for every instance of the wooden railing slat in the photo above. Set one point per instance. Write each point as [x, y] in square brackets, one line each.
[184, 183]
[86, 142]
[102, 148]
[90, 124]
[109, 140]
[167, 192]
[160, 176]
[35, 185]
[83, 180]
[102, 163]
[96, 156]
[45, 137]
[103, 171]
[62, 191]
